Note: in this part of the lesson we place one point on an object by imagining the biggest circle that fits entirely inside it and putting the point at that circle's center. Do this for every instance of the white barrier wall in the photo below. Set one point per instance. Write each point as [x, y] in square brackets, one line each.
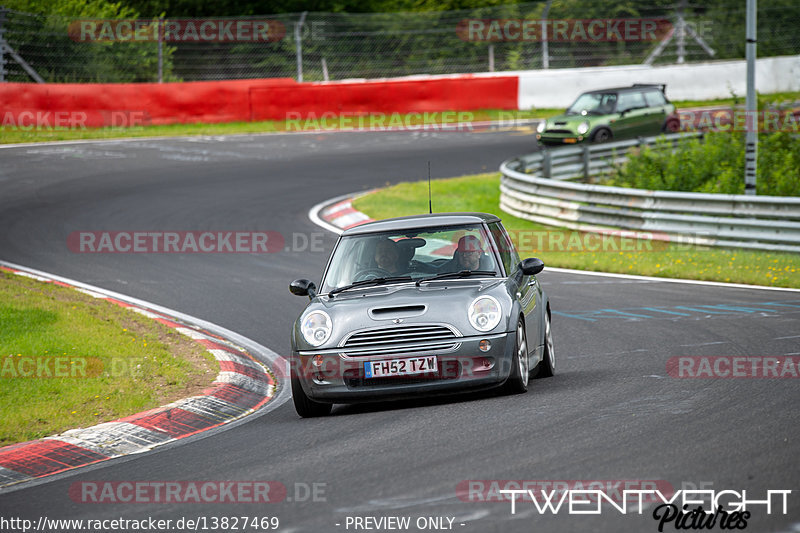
[695, 81]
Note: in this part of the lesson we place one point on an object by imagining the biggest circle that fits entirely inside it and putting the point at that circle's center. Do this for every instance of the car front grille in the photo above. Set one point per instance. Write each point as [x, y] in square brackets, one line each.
[413, 338]
[565, 132]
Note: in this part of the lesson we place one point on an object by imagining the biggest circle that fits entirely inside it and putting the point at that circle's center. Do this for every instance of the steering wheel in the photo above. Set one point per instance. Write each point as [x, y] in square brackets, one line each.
[419, 266]
[371, 273]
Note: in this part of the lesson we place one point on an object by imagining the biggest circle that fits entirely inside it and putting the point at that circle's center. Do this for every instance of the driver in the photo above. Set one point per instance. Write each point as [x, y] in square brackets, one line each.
[387, 256]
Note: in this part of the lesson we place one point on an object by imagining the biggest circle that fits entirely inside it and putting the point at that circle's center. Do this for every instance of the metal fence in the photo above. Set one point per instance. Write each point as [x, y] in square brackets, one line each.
[335, 46]
[742, 221]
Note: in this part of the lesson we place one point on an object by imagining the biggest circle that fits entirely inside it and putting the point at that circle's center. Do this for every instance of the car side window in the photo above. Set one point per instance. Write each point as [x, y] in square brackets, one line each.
[630, 100]
[655, 98]
[505, 248]
[608, 104]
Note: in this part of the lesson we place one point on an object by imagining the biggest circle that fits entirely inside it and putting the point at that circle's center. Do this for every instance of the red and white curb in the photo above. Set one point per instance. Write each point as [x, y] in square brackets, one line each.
[243, 386]
[338, 214]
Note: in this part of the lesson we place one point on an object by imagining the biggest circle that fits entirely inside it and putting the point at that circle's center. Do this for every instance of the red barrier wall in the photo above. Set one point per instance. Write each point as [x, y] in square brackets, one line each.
[97, 105]
[399, 96]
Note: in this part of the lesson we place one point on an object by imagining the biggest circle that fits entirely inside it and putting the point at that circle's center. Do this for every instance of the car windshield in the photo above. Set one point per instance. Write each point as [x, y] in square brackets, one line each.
[401, 256]
[593, 104]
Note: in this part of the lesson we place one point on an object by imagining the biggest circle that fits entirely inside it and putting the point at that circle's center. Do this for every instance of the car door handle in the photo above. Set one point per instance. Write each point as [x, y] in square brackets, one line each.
[532, 282]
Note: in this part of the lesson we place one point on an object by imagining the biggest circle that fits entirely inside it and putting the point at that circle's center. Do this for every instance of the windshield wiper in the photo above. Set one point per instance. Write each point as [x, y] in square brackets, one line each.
[365, 282]
[460, 274]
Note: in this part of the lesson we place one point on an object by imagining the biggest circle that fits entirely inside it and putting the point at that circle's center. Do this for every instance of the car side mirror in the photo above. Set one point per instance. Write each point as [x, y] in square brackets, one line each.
[531, 266]
[303, 287]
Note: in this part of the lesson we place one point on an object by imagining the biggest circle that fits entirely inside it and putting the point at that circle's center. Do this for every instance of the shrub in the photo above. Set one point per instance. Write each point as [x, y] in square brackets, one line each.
[714, 165]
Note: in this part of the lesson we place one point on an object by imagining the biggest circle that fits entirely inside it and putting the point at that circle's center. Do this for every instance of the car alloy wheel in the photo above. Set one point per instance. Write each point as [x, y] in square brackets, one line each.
[602, 135]
[520, 371]
[548, 364]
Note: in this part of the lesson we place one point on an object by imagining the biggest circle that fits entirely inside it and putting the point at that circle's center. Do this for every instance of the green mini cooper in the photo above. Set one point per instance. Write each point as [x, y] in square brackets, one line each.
[599, 116]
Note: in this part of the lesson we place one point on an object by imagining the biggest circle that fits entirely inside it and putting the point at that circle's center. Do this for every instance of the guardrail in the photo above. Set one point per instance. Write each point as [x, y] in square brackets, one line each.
[741, 221]
[587, 160]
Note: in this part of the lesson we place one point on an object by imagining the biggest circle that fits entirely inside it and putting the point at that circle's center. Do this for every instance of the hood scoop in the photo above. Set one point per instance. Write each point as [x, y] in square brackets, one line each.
[561, 123]
[400, 311]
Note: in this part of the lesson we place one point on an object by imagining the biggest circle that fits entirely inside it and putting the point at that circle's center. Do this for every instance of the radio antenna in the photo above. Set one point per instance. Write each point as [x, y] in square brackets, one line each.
[430, 206]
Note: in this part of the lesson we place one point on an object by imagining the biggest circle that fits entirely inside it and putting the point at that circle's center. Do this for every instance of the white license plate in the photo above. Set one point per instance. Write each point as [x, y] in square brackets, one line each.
[400, 367]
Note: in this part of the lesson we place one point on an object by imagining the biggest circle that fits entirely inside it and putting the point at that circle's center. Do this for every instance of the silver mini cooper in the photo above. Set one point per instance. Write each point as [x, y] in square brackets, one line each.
[421, 305]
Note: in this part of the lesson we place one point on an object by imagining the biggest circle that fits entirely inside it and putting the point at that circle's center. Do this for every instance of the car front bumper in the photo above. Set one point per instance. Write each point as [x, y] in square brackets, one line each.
[338, 378]
[560, 138]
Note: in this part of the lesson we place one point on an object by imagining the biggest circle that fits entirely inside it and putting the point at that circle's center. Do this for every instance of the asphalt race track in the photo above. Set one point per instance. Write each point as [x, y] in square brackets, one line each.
[611, 413]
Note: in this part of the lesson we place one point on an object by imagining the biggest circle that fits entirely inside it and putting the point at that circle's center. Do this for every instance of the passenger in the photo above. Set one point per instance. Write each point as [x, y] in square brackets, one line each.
[467, 255]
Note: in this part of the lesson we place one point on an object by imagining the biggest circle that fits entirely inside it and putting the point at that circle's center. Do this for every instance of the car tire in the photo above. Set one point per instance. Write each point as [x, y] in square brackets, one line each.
[305, 406]
[547, 367]
[602, 135]
[518, 379]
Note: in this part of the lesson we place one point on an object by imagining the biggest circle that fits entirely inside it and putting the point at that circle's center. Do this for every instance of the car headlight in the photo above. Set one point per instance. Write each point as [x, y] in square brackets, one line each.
[541, 126]
[583, 127]
[484, 313]
[316, 327]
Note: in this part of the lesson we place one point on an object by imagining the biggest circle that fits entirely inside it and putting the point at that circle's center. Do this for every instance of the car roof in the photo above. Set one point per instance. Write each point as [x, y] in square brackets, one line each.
[421, 221]
[636, 87]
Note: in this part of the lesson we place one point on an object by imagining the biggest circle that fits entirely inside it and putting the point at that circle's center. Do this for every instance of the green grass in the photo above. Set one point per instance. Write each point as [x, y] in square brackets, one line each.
[69, 360]
[763, 99]
[10, 134]
[569, 249]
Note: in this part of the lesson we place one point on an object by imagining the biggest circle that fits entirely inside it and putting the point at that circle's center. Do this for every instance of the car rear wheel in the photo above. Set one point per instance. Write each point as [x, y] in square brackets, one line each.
[305, 406]
[547, 367]
[520, 371]
[672, 125]
[602, 135]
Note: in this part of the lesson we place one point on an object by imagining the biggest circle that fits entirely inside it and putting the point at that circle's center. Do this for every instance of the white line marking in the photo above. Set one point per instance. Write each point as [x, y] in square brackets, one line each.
[192, 333]
[39, 278]
[703, 344]
[112, 439]
[95, 294]
[669, 280]
[144, 312]
[245, 382]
